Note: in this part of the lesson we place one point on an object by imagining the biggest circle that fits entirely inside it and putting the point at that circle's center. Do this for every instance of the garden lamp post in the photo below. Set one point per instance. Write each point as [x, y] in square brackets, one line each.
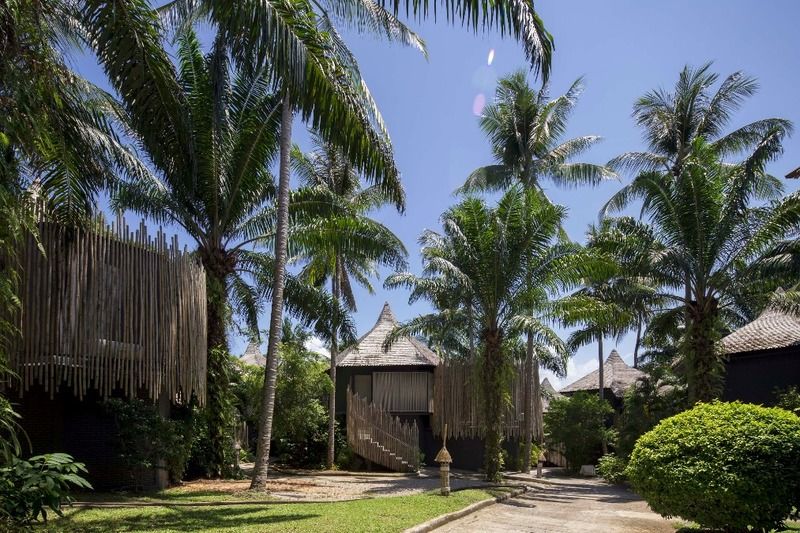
[444, 460]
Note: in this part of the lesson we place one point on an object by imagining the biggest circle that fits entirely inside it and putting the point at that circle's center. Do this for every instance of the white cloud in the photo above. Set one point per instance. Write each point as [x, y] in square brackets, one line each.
[315, 344]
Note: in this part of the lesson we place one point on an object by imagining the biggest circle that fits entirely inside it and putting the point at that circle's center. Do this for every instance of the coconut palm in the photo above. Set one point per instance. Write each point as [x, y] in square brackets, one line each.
[220, 191]
[525, 129]
[344, 249]
[712, 228]
[497, 263]
[672, 123]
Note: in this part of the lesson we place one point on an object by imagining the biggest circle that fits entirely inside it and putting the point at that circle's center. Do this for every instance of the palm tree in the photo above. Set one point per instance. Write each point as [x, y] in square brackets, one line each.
[57, 141]
[320, 77]
[489, 259]
[525, 129]
[346, 248]
[673, 122]
[712, 229]
[218, 188]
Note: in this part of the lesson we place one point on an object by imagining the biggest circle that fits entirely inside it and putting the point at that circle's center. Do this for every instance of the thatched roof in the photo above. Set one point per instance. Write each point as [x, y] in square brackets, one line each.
[772, 329]
[548, 394]
[252, 356]
[794, 173]
[368, 351]
[617, 377]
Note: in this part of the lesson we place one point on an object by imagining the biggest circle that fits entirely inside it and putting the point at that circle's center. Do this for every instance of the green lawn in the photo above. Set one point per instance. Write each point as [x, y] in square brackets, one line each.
[378, 514]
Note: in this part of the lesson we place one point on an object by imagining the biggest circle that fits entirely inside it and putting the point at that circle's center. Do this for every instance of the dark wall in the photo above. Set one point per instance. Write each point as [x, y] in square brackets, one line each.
[753, 377]
[344, 376]
[80, 428]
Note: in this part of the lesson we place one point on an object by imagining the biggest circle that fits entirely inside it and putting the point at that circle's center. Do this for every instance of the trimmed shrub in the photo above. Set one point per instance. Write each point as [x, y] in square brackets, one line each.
[722, 465]
[612, 468]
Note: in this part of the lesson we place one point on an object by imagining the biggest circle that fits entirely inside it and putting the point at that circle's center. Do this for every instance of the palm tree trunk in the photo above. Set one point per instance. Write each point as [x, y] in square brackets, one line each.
[601, 381]
[334, 354]
[493, 404]
[218, 406]
[704, 368]
[638, 342]
[528, 399]
[261, 467]
[538, 414]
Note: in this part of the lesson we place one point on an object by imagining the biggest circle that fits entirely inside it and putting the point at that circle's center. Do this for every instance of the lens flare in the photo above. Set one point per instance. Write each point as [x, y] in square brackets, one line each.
[490, 58]
[478, 104]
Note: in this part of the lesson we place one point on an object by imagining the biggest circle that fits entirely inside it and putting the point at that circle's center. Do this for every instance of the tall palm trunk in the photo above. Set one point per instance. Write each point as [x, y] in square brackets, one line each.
[704, 368]
[538, 414]
[601, 381]
[493, 403]
[261, 467]
[218, 406]
[528, 399]
[335, 290]
[638, 342]
[601, 378]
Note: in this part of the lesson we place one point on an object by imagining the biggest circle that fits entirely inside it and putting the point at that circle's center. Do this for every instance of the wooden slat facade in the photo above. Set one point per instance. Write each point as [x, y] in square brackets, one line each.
[108, 308]
[457, 401]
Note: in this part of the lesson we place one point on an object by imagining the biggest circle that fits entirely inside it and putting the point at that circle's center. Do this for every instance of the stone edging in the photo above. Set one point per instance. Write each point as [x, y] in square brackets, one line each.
[441, 520]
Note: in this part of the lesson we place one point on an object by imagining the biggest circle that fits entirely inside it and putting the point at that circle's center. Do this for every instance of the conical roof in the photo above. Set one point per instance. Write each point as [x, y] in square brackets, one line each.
[252, 355]
[548, 393]
[772, 329]
[617, 376]
[368, 351]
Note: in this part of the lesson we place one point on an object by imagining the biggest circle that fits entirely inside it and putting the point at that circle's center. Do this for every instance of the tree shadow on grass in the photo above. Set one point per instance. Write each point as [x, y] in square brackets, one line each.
[178, 519]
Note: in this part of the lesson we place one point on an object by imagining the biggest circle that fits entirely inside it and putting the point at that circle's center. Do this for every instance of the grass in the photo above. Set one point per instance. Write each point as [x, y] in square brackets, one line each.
[376, 514]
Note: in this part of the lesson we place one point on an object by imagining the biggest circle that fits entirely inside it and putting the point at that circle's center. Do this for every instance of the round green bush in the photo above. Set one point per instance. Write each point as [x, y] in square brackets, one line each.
[722, 465]
[612, 468]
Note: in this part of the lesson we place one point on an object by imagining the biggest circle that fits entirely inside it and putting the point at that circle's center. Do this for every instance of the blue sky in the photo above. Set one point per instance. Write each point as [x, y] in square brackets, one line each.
[622, 48]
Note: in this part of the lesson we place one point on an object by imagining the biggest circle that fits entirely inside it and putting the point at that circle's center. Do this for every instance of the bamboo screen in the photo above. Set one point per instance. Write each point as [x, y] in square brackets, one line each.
[457, 401]
[402, 392]
[108, 309]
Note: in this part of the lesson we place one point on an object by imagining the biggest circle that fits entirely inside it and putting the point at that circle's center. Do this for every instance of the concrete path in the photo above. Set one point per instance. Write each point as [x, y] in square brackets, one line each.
[567, 505]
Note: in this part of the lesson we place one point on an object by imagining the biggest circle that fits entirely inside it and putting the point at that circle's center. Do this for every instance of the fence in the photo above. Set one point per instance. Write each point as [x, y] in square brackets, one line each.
[107, 308]
[380, 437]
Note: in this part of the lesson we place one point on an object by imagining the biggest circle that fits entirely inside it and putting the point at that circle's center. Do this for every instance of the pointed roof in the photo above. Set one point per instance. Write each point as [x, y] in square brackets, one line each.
[617, 376]
[368, 351]
[252, 356]
[772, 329]
[548, 394]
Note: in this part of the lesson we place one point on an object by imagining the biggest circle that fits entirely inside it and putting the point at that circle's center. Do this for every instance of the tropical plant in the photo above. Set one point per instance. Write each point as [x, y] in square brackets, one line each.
[346, 248]
[726, 466]
[577, 424]
[212, 155]
[496, 264]
[711, 234]
[673, 122]
[525, 129]
[612, 468]
[28, 488]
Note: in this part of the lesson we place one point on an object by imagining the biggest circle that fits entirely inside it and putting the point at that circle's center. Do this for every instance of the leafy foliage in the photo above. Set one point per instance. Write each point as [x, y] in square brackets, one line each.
[789, 399]
[612, 468]
[144, 438]
[488, 274]
[28, 488]
[722, 465]
[654, 397]
[578, 423]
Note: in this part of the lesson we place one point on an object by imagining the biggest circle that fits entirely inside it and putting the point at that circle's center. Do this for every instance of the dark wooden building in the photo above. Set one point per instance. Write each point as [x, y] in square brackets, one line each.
[762, 358]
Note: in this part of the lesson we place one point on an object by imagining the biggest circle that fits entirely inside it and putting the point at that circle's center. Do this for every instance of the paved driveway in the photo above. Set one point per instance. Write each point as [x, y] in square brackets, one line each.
[567, 505]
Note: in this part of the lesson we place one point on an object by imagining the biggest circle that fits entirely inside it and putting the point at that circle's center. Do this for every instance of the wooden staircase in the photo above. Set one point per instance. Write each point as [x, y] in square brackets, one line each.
[380, 437]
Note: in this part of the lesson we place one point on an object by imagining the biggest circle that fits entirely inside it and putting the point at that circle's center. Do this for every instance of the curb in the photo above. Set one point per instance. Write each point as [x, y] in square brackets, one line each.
[441, 520]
